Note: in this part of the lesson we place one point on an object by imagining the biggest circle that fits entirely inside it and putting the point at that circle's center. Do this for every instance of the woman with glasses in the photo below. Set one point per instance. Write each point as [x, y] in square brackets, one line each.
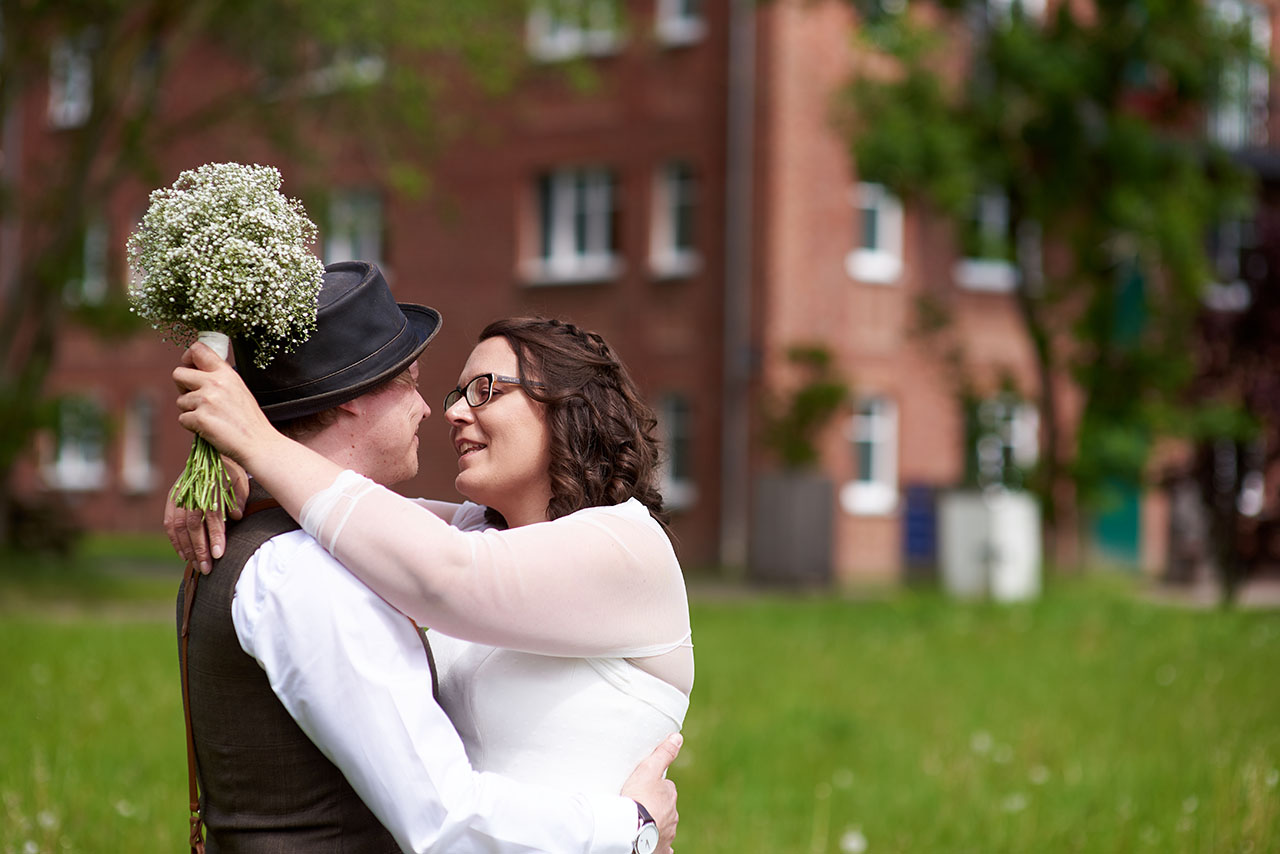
[557, 607]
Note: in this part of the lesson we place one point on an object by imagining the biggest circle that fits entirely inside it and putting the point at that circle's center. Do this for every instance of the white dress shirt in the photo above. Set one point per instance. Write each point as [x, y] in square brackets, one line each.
[351, 671]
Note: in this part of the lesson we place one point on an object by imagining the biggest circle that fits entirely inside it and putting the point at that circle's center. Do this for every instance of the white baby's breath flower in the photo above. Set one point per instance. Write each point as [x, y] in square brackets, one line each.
[223, 250]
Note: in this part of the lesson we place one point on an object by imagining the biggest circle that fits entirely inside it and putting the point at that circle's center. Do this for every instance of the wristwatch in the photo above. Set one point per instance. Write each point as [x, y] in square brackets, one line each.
[646, 839]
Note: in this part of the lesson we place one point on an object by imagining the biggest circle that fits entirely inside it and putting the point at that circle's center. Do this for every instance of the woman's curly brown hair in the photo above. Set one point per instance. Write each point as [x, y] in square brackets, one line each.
[603, 449]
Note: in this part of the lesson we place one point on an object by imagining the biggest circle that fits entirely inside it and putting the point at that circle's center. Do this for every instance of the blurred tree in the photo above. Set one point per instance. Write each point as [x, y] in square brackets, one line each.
[128, 81]
[1086, 124]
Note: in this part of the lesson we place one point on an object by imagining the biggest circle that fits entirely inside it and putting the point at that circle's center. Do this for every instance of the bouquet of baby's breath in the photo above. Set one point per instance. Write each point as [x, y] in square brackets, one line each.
[222, 253]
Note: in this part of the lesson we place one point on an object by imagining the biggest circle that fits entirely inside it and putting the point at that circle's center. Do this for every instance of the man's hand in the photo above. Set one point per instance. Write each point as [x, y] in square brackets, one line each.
[202, 537]
[648, 785]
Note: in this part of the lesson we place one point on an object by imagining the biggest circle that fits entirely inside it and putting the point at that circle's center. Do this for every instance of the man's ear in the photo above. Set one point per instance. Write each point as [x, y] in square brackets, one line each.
[352, 407]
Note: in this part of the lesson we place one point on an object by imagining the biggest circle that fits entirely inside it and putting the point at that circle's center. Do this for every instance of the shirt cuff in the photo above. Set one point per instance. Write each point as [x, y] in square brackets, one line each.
[616, 824]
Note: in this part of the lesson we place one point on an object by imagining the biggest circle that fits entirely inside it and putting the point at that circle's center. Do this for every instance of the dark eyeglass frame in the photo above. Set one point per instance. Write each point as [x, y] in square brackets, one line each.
[464, 392]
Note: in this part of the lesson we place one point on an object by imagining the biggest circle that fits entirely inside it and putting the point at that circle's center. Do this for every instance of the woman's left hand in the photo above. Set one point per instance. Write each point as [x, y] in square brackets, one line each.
[215, 403]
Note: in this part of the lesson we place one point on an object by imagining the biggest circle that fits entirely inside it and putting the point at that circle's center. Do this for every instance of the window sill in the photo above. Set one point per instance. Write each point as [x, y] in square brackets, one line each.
[987, 275]
[550, 52]
[872, 266]
[868, 499]
[679, 32]
[675, 265]
[579, 272]
[679, 494]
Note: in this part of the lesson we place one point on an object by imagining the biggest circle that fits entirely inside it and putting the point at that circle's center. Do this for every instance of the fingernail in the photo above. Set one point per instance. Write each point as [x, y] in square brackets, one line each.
[217, 551]
[204, 567]
[677, 739]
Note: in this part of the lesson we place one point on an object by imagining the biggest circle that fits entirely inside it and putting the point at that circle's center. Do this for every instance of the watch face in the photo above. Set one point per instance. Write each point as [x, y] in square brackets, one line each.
[647, 839]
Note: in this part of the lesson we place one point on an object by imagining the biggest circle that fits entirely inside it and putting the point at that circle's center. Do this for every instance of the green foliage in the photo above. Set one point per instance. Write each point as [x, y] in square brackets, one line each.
[792, 425]
[1090, 124]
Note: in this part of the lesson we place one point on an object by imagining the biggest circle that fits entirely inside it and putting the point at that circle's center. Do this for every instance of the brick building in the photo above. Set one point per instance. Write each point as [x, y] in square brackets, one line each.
[698, 207]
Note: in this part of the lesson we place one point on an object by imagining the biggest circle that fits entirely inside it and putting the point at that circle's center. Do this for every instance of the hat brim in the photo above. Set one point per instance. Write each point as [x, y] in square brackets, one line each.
[423, 322]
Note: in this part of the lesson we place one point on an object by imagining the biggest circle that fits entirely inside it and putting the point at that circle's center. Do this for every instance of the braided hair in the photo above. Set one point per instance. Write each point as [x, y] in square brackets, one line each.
[603, 449]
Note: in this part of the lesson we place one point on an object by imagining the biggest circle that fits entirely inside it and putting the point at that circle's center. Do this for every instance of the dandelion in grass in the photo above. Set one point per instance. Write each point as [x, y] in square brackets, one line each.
[1038, 775]
[1016, 802]
[981, 742]
[47, 819]
[222, 253]
[853, 841]
[1273, 778]
[1165, 675]
[124, 809]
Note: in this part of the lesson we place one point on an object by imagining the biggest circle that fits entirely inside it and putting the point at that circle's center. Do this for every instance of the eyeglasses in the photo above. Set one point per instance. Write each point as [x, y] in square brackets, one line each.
[480, 389]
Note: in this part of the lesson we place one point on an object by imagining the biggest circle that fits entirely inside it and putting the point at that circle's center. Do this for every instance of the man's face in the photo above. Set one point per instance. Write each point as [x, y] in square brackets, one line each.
[389, 424]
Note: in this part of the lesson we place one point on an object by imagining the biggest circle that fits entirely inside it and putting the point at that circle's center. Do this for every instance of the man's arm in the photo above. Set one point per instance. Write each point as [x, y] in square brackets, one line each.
[351, 671]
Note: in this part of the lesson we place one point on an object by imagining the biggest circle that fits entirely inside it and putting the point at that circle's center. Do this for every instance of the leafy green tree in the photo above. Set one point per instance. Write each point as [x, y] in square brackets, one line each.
[1090, 123]
[311, 81]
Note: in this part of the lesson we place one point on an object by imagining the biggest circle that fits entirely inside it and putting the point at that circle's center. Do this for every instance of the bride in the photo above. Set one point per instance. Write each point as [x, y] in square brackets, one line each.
[557, 607]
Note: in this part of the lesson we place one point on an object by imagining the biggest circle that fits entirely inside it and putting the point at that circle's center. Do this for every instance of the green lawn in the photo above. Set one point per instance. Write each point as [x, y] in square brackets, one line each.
[1091, 721]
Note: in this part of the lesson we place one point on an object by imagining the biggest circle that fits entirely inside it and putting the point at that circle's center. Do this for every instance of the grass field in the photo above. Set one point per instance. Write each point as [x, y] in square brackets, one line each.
[1091, 721]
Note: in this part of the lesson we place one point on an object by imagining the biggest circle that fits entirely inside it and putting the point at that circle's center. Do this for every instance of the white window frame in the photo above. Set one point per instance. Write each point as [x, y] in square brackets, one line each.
[674, 189]
[1228, 291]
[77, 465]
[677, 22]
[882, 263]
[90, 287]
[993, 275]
[70, 82]
[873, 493]
[1239, 116]
[355, 226]
[138, 472]
[1012, 426]
[587, 192]
[563, 29]
[675, 416]
[1001, 11]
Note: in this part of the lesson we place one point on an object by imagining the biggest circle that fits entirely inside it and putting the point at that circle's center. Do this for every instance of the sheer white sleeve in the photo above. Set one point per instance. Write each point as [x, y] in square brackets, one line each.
[600, 582]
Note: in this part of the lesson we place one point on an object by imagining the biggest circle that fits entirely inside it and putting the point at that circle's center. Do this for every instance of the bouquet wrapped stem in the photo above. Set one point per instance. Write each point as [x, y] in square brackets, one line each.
[204, 484]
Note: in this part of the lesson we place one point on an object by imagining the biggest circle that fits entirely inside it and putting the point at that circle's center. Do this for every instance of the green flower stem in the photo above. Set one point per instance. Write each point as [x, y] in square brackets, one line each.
[204, 484]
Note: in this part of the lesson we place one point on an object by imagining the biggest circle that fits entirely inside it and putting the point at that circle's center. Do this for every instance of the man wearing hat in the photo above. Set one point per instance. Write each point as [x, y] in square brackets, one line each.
[311, 719]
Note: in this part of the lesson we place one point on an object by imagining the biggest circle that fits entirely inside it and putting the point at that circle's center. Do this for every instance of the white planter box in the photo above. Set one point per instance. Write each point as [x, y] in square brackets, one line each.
[989, 545]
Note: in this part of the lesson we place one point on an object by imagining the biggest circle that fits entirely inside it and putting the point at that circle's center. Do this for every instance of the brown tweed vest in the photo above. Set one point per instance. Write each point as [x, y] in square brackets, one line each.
[264, 787]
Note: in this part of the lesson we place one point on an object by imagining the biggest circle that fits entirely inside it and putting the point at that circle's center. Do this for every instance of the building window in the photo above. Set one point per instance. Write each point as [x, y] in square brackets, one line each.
[1230, 242]
[676, 475]
[1239, 115]
[70, 82]
[671, 251]
[355, 227]
[78, 460]
[873, 434]
[680, 21]
[1000, 12]
[89, 286]
[1004, 436]
[878, 235]
[562, 29]
[137, 469]
[577, 227]
[986, 241]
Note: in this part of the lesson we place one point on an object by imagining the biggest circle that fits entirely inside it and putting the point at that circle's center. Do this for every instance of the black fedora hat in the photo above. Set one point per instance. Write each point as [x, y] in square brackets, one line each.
[363, 338]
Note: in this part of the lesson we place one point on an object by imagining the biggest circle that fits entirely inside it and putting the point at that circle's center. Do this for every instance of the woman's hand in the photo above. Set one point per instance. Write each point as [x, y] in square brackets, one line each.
[215, 403]
[199, 536]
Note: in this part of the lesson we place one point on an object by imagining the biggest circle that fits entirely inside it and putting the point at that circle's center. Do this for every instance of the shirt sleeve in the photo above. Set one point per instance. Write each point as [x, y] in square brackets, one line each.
[604, 581]
[352, 672]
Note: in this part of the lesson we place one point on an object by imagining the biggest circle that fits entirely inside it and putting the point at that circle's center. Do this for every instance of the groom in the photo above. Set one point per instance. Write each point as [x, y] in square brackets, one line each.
[312, 721]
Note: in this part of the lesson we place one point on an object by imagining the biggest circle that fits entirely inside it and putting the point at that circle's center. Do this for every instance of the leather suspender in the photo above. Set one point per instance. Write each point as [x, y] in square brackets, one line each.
[191, 579]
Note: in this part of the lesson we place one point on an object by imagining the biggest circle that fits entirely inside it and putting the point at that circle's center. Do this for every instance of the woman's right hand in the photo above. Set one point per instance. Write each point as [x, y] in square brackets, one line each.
[200, 536]
[215, 404]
